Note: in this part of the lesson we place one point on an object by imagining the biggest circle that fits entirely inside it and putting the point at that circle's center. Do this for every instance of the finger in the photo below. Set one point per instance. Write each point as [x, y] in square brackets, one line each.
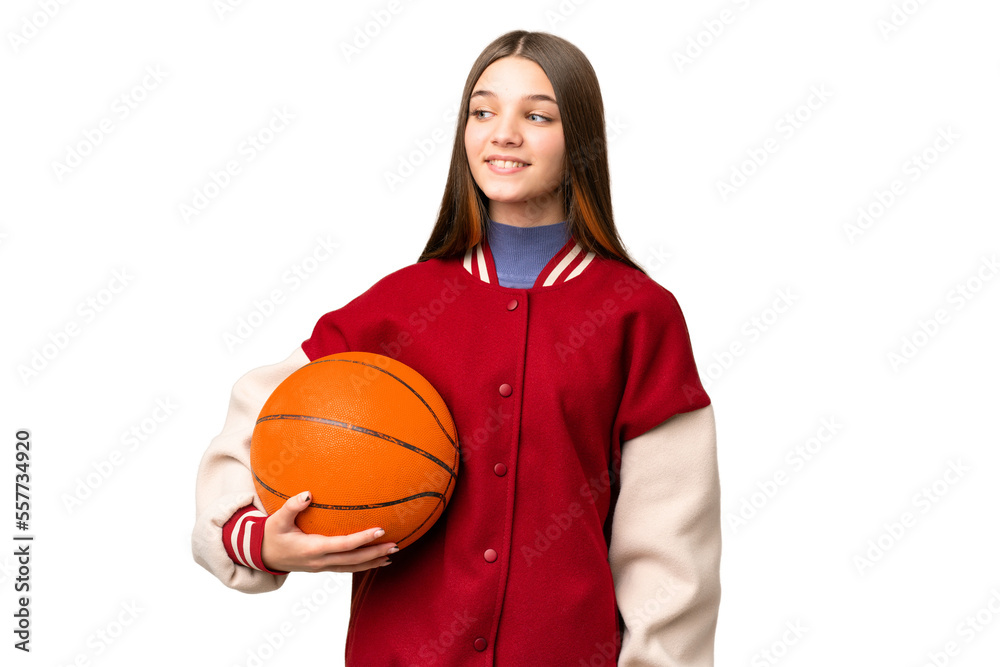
[355, 556]
[351, 541]
[285, 516]
[315, 560]
[358, 567]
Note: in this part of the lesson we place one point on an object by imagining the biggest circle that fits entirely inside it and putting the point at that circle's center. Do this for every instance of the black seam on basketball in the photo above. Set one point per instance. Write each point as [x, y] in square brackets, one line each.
[361, 429]
[442, 502]
[428, 518]
[265, 485]
[369, 506]
[453, 477]
[400, 381]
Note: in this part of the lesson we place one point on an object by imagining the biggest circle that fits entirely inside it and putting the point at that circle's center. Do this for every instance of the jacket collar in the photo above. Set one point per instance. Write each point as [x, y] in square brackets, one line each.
[565, 265]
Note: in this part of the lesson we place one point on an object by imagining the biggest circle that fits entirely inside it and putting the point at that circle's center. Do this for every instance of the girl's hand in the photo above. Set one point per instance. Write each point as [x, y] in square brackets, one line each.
[287, 548]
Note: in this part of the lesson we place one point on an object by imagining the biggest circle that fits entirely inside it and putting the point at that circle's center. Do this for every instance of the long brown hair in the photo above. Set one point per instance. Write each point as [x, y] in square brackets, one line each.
[586, 186]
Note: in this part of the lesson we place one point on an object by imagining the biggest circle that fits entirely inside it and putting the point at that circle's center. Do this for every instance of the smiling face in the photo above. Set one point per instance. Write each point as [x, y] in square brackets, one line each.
[515, 145]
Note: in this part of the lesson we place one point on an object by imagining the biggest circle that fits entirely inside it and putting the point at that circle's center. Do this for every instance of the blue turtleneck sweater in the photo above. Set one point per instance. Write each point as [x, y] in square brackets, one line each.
[520, 253]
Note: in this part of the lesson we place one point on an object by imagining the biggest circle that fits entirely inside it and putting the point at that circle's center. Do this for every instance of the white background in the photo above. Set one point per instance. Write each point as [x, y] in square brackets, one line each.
[823, 355]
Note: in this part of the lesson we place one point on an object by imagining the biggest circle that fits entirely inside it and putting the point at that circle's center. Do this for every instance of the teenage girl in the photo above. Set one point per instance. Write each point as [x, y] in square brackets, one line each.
[584, 528]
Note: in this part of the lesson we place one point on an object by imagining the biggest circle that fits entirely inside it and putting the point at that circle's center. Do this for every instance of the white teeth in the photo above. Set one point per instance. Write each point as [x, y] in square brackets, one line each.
[506, 165]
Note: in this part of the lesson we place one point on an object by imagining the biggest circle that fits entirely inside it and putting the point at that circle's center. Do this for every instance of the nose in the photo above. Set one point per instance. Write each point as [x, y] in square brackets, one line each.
[506, 131]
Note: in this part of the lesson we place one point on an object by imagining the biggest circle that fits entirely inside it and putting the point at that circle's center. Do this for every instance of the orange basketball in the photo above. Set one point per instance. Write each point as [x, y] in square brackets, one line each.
[368, 436]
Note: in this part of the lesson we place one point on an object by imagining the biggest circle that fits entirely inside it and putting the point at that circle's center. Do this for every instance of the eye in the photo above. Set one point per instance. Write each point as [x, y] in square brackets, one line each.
[540, 116]
[475, 112]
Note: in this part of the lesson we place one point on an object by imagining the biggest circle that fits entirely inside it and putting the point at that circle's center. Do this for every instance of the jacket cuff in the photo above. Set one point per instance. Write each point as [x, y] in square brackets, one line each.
[243, 537]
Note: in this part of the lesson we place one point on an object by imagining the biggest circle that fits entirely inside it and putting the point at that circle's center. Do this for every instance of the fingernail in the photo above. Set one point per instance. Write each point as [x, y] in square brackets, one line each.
[304, 496]
[387, 561]
[379, 533]
[393, 550]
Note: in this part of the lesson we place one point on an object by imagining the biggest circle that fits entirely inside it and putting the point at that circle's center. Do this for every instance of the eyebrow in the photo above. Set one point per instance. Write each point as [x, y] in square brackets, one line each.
[535, 97]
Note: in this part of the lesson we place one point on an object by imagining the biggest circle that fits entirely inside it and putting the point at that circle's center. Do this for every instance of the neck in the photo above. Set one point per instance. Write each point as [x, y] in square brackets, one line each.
[528, 214]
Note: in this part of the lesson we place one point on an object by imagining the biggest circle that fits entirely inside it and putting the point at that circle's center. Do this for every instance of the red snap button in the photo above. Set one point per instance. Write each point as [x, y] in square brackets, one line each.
[512, 304]
[500, 469]
[506, 389]
[490, 555]
[480, 643]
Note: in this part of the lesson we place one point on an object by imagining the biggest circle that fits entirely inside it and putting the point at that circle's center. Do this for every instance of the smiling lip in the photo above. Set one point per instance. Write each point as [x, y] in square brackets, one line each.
[502, 161]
